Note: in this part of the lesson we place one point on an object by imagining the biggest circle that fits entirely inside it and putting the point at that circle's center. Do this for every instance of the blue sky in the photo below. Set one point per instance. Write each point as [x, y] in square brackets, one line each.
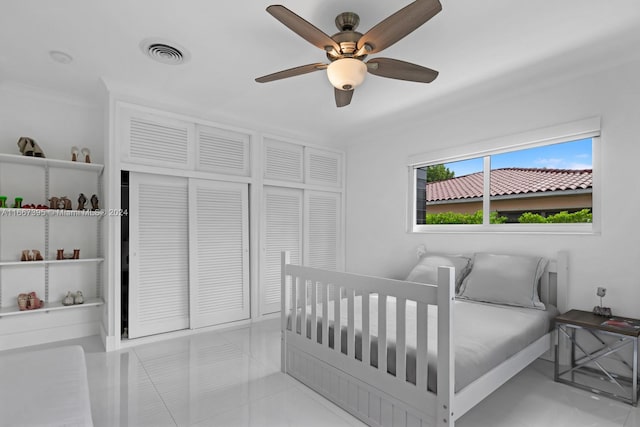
[568, 155]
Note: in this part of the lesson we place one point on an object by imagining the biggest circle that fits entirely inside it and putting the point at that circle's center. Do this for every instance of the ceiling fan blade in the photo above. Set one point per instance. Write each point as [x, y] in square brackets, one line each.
[343, 97]
[303, 28]
[401, 70]
[398, 25]
[292, 72]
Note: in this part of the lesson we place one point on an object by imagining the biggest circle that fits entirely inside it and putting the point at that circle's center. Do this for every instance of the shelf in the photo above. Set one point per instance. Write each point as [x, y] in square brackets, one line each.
[50, 306]
[14, 212]
[49, 261]
[52, 163]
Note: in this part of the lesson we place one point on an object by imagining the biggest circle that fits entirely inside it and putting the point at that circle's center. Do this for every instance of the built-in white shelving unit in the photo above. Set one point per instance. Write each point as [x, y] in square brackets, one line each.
[36, 180]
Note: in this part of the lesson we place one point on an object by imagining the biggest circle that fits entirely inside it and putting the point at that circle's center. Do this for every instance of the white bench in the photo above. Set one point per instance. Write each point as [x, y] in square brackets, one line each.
[45, 388]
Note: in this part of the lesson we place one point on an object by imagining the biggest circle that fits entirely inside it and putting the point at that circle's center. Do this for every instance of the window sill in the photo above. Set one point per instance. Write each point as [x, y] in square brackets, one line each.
[557, 229]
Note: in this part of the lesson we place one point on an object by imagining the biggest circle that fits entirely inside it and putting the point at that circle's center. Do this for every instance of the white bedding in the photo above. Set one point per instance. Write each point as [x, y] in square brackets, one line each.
[485, 335]
[45, 388]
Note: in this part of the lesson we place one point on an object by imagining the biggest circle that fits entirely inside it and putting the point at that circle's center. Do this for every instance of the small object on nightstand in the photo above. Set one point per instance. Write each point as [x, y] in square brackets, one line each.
[76, 254]
[60, 254]
[599, 310]
[602, 311]
[625, 324]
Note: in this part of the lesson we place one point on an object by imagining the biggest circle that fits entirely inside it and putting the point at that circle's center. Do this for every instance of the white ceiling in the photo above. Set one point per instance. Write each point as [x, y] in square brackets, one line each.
[470, 42]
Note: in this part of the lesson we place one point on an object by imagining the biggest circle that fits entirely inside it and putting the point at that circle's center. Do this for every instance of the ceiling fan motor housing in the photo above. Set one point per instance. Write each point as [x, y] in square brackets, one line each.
[347, 21]
[348, 41]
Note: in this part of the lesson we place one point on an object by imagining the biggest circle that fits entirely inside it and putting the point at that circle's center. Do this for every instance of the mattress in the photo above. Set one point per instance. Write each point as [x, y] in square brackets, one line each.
[485, 335]
[45, 388]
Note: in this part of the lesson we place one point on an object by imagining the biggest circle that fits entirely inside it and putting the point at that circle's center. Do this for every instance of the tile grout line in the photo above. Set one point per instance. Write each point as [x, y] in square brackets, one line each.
[155, 388]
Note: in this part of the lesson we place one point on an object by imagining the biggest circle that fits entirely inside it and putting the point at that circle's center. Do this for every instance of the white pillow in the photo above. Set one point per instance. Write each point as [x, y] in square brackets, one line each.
[426, 271]
[504, 279]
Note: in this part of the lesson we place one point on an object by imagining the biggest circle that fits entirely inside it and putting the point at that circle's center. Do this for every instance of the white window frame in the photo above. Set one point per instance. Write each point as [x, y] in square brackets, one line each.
[572, 131]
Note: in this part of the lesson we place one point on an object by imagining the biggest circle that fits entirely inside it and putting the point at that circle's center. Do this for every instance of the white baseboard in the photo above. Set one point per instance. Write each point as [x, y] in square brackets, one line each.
[48, 335]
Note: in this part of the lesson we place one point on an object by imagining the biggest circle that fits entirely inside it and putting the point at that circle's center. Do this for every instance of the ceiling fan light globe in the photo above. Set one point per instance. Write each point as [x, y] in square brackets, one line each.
[346, 73]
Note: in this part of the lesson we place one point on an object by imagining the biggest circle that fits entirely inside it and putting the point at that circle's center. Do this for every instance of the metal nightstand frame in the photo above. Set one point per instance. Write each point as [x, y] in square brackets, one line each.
[606, 350]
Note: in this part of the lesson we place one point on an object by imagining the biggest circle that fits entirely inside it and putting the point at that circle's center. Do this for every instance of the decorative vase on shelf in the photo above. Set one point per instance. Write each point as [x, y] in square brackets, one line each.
[68, 300]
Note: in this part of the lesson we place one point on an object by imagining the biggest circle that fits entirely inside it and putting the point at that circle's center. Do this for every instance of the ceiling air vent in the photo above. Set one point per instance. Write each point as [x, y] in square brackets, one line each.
[165, 52]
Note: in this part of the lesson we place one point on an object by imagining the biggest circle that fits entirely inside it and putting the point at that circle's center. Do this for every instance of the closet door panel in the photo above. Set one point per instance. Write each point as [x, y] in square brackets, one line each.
[283, 161]
[219, 214]
[223, 151]
[153, 139]
[159, 255]
[322, 238]
[322, 167]
[281, 231]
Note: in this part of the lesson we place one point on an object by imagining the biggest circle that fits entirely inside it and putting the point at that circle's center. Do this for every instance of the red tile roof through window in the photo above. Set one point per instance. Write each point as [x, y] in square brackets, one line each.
[508, 181]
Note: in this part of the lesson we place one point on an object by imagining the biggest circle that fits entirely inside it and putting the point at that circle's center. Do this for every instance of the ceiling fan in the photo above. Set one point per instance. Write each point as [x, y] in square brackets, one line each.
[347, 49]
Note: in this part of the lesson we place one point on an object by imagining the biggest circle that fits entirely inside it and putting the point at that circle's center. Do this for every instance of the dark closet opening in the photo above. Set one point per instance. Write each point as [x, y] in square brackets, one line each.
[124, 248]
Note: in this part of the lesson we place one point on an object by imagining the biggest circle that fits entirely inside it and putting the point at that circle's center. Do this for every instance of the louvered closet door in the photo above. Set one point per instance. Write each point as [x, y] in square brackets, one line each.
[159, 254]
[282, 231]
[323, 235]
[219, 233]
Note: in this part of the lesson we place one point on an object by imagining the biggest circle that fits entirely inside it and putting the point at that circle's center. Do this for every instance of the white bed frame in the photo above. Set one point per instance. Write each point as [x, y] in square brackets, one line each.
[372, 394]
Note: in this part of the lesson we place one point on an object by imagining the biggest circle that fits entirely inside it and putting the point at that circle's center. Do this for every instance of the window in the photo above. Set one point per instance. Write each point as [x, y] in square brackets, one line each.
[544, 185]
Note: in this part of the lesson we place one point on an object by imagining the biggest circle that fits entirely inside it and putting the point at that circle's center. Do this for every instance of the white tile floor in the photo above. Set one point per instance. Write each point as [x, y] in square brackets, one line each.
[232, 378]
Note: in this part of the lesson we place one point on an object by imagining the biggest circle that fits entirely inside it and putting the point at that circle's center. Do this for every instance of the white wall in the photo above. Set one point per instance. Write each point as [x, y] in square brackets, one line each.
[377, 184]
[56, 121]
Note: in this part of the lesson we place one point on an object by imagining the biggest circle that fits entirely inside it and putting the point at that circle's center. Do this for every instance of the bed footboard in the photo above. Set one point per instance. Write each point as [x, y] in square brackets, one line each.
[326, 342]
